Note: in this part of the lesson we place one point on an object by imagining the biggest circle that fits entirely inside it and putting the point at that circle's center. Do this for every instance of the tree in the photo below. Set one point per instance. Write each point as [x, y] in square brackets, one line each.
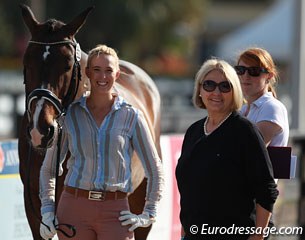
[149, 33]
[145, 32]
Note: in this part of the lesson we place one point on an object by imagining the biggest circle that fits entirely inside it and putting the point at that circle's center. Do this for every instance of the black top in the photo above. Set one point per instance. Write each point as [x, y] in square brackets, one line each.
[221, 175]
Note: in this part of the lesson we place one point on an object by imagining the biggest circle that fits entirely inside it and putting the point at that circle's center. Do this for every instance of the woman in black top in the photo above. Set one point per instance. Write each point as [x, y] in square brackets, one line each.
[224, 171]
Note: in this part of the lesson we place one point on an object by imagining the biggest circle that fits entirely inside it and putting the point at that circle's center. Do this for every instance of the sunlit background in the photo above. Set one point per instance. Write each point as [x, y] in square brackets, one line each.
[170, 39]
[167, 38]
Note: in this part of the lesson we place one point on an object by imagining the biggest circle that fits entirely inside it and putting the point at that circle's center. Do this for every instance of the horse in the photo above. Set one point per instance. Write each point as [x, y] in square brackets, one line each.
[54, 76]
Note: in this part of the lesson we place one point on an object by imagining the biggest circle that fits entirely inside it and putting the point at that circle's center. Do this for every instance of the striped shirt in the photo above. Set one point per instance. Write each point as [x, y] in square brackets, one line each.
[101, 155]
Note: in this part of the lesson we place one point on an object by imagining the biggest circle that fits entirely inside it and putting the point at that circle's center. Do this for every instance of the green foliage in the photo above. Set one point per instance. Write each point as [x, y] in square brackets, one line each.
[5, 35]
[139, 29]
[12, 30]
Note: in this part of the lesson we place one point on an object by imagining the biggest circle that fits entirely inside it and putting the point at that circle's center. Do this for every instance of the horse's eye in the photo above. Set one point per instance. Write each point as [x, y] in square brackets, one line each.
[68, 66]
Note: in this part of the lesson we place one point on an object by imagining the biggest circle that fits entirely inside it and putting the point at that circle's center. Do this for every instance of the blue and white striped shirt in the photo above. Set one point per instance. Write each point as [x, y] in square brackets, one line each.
[101, 155]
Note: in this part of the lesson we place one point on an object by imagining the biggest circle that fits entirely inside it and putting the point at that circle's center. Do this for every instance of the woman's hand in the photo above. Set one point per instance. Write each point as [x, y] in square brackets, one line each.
[47, 227]
[142, 220]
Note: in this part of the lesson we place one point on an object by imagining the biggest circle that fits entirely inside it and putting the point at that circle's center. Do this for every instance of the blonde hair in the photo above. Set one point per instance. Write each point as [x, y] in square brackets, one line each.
[260, 57]
[102, 49]
[228, 72]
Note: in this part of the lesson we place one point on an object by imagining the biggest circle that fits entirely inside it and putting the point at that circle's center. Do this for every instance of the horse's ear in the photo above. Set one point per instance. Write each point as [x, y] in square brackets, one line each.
[28, 17]
[72, 28]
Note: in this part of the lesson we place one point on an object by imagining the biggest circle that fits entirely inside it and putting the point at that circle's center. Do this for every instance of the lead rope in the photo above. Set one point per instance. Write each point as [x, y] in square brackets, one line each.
[70, 227]
[57, 226]
[28, 187]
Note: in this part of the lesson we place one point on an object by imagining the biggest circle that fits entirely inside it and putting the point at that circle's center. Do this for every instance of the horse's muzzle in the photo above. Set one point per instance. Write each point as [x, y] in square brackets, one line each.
[39, 140]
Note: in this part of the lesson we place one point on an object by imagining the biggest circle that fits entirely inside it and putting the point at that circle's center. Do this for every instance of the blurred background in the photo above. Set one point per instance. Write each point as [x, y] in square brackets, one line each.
[170, 39]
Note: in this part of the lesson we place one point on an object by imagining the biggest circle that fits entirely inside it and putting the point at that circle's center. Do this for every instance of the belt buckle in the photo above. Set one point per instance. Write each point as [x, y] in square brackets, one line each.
[97, 196]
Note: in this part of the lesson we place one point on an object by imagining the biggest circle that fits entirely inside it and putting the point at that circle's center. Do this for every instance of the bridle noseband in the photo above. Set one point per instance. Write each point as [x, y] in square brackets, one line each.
[47, 95]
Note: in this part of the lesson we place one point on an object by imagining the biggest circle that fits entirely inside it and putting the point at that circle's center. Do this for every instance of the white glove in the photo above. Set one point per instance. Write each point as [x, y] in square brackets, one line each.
[48, 219]
[142, 220]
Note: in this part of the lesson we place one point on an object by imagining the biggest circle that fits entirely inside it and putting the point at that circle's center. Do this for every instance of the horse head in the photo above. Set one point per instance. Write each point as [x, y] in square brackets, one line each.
[53, 65]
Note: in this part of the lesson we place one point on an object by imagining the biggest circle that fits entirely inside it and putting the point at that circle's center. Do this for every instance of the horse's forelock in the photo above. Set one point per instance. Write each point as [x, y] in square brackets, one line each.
[53, 25]
[50, 28]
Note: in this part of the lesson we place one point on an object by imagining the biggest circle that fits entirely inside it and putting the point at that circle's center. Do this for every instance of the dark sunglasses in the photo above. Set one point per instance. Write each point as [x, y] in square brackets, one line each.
[252, 71]
[210, 86]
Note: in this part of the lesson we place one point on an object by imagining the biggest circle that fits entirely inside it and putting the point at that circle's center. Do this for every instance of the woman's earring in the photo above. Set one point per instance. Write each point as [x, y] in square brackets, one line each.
[199, 95]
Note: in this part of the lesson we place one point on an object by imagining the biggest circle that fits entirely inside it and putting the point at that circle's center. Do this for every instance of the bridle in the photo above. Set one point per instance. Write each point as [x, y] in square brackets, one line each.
[40, 93]
[61, 107]
[47, 95]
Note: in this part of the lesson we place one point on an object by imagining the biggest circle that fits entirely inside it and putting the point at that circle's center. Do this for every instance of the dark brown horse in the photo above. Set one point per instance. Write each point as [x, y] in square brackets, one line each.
[54, 76]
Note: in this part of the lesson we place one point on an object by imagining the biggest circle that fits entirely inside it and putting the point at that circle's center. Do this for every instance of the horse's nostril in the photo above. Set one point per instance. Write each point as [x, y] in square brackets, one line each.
[50, 132]
[28, 132]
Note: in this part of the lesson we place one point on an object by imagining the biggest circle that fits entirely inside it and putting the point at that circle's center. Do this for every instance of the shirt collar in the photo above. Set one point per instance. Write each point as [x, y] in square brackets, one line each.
[258, 102]
[119, 102]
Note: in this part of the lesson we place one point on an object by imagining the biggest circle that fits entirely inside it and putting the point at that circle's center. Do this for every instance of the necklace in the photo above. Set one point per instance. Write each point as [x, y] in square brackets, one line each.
[206, 122]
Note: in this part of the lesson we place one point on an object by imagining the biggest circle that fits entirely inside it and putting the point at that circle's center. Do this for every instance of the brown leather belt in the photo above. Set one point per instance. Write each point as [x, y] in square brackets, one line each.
[95, 195]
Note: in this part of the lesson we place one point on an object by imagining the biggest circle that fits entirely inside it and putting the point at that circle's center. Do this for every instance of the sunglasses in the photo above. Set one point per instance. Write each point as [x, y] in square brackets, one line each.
[210, 86]
[252, 71]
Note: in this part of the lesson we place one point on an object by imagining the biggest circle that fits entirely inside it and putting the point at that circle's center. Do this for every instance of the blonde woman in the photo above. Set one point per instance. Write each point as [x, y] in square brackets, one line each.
[101, 131]
[224, 165]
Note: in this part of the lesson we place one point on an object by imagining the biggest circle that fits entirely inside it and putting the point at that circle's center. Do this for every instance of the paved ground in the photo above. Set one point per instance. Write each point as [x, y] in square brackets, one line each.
[286, 207]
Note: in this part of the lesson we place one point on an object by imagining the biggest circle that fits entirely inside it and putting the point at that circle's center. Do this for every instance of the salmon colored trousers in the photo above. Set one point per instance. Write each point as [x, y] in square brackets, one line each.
[93, 220]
